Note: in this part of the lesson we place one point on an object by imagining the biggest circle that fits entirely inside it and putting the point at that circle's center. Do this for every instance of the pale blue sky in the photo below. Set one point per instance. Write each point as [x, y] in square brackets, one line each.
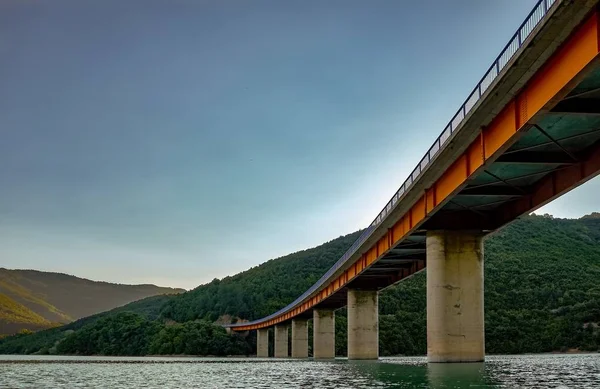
[176, 141]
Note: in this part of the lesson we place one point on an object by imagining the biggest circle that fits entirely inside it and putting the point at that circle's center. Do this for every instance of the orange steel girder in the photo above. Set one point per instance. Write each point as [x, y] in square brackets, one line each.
[562, 71]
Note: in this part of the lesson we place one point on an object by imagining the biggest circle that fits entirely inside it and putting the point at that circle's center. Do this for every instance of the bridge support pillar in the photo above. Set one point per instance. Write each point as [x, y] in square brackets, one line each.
[455, 321]
[262, 343]
[299, 338]
[363, 324]
[323, 334]
[281, 341]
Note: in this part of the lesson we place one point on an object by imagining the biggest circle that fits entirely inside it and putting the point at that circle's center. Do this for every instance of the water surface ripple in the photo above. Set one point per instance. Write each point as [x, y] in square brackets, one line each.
[525, 371]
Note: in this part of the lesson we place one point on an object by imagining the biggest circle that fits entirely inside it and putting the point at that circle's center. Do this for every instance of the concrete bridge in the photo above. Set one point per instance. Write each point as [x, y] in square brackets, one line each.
[528, 133]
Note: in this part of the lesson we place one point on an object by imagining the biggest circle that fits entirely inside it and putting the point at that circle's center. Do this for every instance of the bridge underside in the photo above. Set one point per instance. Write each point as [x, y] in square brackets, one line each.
[530, 136]
[559, 150]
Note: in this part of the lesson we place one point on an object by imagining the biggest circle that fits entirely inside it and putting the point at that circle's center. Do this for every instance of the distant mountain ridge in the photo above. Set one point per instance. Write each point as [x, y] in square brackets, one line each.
[33, 300]
[541, 294]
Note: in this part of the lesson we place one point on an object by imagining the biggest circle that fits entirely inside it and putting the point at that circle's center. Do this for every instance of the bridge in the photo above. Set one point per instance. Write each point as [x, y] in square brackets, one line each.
[528, 133]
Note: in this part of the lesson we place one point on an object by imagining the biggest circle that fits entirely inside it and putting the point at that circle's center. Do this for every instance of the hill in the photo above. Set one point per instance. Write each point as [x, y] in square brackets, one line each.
[133, 329]
[261, 290]
[541, 289]
[32, 300]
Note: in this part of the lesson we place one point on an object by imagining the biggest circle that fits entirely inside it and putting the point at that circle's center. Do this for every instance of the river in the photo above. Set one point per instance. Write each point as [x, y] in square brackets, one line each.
[523, 371]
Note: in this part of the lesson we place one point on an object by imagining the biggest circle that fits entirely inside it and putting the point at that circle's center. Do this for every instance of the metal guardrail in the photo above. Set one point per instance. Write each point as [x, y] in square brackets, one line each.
[533, 19]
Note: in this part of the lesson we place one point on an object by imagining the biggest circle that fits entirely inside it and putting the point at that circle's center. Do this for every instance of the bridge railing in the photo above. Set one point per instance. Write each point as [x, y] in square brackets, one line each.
[533, 19]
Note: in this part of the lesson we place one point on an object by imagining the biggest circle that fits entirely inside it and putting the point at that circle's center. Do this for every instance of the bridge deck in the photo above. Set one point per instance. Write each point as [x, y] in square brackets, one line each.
[531, 134]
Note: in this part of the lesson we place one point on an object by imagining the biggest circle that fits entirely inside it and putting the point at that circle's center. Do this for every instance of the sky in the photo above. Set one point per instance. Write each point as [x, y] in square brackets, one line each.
[177, 141]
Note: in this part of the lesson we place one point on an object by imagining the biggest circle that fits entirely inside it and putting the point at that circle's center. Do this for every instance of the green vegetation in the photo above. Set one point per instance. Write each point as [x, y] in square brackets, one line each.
[34, 300]
[128, 333]
[133, 329]
[260, 290]
[44, 342]
[14, 316]
[541, 289]
[12, 287]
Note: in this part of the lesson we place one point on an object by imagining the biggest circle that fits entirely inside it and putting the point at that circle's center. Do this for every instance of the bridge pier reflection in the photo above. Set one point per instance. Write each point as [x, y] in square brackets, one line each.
[456, 375]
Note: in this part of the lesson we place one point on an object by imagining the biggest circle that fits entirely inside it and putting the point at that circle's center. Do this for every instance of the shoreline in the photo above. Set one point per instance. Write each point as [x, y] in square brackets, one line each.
[167, 359]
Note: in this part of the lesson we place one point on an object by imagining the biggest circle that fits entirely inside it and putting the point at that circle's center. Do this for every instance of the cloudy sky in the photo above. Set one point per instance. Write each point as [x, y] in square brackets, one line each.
[172, 142]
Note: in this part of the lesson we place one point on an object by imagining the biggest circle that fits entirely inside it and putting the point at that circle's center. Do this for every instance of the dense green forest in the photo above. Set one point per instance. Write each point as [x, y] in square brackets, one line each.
[260, 290]
[542, 293]
[128, 333]
[134, 329]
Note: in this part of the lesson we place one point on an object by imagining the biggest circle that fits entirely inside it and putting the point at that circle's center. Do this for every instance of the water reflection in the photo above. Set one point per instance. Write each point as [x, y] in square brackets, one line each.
[391, 375]
[457, 375]
[526, 371]
[422, 375]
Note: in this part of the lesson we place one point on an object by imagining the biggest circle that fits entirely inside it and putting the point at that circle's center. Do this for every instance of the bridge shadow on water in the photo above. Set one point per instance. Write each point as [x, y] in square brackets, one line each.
[389, 373]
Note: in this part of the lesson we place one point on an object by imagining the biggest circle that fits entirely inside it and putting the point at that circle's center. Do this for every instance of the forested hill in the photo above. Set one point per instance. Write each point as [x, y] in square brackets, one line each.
[542, 290]
[31, 299]
[260, 290]
[542, 293]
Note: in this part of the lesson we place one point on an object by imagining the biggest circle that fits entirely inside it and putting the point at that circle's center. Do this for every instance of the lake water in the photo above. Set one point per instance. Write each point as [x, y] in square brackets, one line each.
[528, 371]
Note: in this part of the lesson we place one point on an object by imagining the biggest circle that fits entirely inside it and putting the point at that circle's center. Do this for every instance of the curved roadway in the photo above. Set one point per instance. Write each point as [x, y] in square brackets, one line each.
[437, 196]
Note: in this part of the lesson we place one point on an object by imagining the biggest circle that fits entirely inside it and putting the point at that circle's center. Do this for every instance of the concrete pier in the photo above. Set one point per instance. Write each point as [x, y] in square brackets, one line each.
[455, 321]
[281, 341]
[299, 338]
[363, 324]
[323, 334]
[262, 343]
